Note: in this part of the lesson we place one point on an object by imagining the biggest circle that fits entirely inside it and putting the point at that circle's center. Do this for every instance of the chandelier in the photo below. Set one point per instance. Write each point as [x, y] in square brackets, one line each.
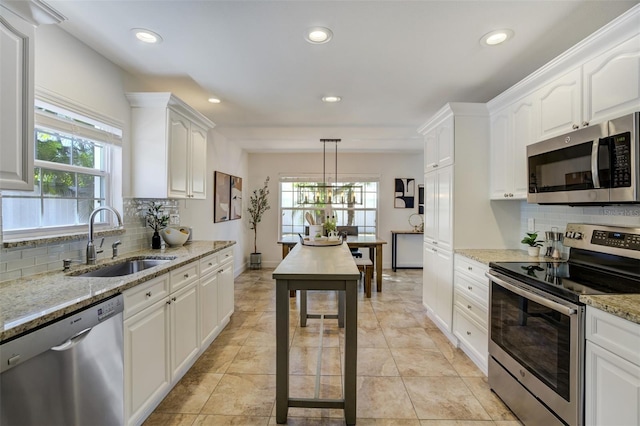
[327, 192]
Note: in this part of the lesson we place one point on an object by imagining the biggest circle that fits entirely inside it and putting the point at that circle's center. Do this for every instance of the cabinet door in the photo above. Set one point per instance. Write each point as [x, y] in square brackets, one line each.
[444, 209]
[501, 168]
[561, 105]
[430, 151]
[198, 181]
[612, 83]
[179, 155]
[445, 136]
[612, 389]
[185, 340]
[146, 360]
[430, 206]
[522, 134]
[225, 292]
[444, 289]
[429, 276]
[16, 102]
[208, 307]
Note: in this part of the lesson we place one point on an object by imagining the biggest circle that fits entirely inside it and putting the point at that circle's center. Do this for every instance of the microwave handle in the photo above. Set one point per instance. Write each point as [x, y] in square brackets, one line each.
[558, 307]
[595, 147]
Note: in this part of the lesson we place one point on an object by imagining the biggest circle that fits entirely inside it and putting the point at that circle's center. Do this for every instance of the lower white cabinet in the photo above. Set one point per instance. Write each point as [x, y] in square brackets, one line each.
[612, 370]
[169, 321]
[470, 315]
[437, 286]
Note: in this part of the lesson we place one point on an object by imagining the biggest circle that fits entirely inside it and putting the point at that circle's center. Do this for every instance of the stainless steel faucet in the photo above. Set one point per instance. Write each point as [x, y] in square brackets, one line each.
[91, 249]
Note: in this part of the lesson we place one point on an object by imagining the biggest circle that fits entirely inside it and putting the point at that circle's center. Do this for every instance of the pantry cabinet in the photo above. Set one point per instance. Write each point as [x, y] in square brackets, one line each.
[438, 145]
[438, 213]
[169, 138]
[437, 285]
[612, 370]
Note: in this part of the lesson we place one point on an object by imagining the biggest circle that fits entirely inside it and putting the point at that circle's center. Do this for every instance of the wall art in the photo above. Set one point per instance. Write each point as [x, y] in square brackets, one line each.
[405, 192]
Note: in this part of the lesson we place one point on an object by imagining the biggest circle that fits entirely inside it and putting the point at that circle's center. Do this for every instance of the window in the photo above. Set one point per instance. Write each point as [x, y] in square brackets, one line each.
[363, 215]
[72, 175]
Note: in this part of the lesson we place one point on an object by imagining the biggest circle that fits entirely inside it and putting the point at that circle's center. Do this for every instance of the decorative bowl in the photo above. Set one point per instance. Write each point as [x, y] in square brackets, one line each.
[175, 236]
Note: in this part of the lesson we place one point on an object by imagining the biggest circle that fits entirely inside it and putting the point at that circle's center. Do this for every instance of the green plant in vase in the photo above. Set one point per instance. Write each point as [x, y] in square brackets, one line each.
[156, 220]
[533, 243]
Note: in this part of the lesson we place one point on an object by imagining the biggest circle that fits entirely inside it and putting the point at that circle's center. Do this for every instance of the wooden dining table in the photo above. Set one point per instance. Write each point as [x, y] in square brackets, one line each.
[372, 242]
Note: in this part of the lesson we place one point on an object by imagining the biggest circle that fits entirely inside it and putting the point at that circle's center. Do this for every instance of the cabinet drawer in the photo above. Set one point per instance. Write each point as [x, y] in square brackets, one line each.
[146, 294]
[471, 307]
[225, 256]
[472, 288]
[474, 337]
[613, 333]
[184, 276]
[208, 264]
[471, 267]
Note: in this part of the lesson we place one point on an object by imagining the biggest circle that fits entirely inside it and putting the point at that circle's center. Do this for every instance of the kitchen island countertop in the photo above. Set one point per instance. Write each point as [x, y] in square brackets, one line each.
[29, 302]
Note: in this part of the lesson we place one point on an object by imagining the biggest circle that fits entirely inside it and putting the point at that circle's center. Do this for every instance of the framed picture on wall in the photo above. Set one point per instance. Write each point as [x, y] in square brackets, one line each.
[420, 199]
[236, 198]
[221, 197]
[405, 193]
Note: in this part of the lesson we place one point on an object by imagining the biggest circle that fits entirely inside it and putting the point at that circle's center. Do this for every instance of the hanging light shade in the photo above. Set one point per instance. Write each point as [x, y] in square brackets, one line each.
[327, 192]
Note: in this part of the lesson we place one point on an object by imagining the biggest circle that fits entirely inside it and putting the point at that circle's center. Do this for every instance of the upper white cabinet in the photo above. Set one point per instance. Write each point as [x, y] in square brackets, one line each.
[612, 82]
[18, 22]
[438, 145]
[169, 146]
[512, 129]
[561, 105]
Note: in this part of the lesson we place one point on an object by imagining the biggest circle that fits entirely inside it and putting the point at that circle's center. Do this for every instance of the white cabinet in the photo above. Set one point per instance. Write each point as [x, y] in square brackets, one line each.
[16, 103]
[437, 285]
[184, 330]
[438, 215]
[512, 129]
[225, 287]
[208, 299]
[438, 145]
[612, 82]
[470, 316]
[169, 147]
[612, 370]
[560, 103]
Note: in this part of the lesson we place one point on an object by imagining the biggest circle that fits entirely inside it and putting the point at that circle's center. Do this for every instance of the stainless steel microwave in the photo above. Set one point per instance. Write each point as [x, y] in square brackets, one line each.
[595, 165]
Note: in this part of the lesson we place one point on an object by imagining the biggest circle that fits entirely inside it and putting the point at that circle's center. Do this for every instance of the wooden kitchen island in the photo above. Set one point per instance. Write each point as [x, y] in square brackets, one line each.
[317, 268]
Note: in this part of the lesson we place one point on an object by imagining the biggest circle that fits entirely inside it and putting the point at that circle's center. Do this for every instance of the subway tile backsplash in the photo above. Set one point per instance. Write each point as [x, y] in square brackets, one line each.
[36, 258]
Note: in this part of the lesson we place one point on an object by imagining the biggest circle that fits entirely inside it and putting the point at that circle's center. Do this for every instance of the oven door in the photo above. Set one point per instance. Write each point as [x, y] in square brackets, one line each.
[539, 339]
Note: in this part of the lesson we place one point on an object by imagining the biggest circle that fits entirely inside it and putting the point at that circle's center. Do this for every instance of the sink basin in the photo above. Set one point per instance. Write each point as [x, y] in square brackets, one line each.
[126, 267]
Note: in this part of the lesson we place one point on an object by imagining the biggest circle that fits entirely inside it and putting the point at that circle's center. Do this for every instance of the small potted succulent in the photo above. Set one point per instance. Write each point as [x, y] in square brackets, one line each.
[156, 219]
[533, 243]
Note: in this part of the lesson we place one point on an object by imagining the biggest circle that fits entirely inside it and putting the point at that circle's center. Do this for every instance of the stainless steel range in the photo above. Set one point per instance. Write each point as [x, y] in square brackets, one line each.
[536, 320]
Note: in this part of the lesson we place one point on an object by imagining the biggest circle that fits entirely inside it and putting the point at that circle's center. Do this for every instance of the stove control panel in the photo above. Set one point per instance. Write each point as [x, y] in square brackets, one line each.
[603, 238]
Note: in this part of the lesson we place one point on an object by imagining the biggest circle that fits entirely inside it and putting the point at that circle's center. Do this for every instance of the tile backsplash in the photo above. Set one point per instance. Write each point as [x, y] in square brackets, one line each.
[546, 217]
[34, 258]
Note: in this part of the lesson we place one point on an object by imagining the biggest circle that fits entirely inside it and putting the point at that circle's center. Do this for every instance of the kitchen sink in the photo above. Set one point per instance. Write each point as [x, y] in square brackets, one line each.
[126, 267]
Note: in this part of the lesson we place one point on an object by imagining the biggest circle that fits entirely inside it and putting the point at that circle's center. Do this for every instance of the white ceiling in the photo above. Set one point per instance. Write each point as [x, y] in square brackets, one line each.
[394, 63]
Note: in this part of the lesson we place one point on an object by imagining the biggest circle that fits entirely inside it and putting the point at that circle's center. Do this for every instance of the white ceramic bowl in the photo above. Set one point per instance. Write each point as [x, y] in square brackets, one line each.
[175, 236]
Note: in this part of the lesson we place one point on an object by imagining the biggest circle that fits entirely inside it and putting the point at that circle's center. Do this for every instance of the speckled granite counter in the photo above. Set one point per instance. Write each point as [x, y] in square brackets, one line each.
[625, 306]
[498, 255]
[29, 302]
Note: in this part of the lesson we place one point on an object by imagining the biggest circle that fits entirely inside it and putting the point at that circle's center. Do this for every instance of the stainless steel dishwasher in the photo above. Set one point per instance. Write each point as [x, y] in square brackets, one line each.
[68, 372]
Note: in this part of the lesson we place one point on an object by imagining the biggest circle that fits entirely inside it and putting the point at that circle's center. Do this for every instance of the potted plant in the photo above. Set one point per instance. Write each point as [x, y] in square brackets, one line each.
[258, 204]
[533, 243]
[156, 219]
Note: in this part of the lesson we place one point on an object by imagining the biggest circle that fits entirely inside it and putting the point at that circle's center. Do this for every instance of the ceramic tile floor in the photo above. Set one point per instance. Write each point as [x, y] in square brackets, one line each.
[408, 372]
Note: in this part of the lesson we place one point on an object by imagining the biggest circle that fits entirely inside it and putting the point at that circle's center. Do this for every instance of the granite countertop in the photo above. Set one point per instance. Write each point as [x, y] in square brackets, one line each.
[625, 306]
[29, 302]
[498, 255]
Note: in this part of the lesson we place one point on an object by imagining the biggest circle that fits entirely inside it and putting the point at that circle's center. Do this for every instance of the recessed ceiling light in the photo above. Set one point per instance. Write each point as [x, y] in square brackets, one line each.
[496, 37]
[318, 35]
[146, 36]
[214, 100]
[331, 99]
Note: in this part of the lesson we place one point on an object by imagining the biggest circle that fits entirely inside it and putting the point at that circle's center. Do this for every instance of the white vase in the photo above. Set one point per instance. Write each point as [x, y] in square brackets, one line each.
[533, 251]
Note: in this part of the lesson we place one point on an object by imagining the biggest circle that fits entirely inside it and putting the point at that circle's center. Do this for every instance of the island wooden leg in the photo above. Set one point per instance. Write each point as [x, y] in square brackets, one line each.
[379, 267]
[350, 351]
[282, 352]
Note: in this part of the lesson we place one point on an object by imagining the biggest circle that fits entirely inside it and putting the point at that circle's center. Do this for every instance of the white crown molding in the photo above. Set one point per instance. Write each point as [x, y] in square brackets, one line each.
[35, 12]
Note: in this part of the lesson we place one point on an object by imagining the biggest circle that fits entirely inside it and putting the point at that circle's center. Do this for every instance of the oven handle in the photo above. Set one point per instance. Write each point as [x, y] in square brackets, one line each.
[533, 296]
[595, 147]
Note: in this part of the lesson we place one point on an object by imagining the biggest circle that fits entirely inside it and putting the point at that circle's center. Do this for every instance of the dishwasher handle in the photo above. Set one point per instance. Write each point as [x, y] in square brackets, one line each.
[72, 341]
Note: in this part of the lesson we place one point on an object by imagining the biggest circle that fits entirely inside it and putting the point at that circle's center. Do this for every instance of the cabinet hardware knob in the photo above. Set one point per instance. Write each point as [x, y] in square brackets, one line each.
[210, 264]
[575, 126]
[470, 288]
[435, 242]
[468, 333]
[186, 275]
[173, 298]
[435, 165]
[168, 302]
[470, 268]
[585, 123]
[468, 306]
[506, 195]
[148, 294]
[220, 271]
